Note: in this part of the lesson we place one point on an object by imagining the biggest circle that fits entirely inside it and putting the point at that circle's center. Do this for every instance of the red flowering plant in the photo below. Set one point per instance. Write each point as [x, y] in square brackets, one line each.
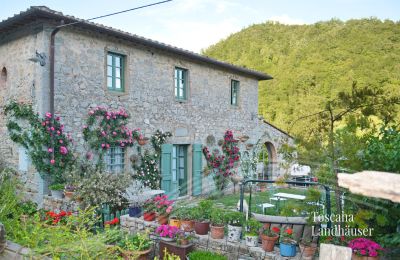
[365, 247]
[57, 218]
[223, 165]
[167, 231]
[112, 222]
[271, 232]
[105, 129]
[44, 138]
[163, 206]
[287, 236]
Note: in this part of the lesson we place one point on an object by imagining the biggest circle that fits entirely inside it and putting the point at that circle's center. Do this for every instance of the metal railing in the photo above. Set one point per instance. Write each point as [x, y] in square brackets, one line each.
[327, 194]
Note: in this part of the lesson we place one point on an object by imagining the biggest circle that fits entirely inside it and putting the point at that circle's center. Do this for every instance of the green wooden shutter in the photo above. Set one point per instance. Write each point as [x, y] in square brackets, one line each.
[197, 168]
[168, 184]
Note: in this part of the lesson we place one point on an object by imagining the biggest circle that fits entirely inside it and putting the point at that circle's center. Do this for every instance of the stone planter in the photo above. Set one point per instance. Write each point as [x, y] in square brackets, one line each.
[287, 249]
[217, 232]
[57, 194]
[162, 219]
[308, 251]
[268, 243]
[234, 233]
[149, 216]
[174, 222]
[187, 225]
[357, 257]
[202, 228]
[251, 241]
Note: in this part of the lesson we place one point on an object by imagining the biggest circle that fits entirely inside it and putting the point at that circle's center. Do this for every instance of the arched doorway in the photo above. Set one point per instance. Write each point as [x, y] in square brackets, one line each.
[272, 160]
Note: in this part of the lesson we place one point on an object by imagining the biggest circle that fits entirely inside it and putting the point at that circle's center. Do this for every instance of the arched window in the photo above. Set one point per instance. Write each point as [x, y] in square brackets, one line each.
[3, 76]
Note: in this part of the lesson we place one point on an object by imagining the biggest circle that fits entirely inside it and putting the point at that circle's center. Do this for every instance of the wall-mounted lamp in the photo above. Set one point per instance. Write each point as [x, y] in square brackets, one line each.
[40, 58]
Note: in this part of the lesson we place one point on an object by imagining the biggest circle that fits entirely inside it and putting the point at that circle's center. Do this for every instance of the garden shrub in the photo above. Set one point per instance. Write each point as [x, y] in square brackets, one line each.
[206, 255]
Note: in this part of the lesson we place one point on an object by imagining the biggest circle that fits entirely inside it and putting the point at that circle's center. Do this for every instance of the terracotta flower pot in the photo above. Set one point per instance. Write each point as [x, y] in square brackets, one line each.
[187, 225]
[174, 222]
[140, 255]
[143, 141]
[162, 219]
[149, 216]
[217, 232]
[309, 251]
[202, 228]
[268, 243]
[357, 257]
[69, 194]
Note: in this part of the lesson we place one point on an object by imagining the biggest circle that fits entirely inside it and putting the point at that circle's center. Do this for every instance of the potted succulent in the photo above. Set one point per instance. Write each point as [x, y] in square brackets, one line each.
[137, 246]
[57, 190]
[235, 221]
[202, 214]
[365, 249]
[287, 244]
[308, 248]
[217, 223]
[186, 217]
[269, 236]
[252, 232]
[69, 191]
[163, 208]
[167, 232]
[149, 213]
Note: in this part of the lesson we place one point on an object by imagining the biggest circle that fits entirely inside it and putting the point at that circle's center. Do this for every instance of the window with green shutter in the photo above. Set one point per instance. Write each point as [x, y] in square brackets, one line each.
[115, 71]
[234, 92]
[115, 159]
[181, 83]
[197, 176]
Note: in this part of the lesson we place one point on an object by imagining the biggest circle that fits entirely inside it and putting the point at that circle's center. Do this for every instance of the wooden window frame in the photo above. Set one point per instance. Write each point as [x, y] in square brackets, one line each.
[235, 88]
[185, 78]
[114, 68]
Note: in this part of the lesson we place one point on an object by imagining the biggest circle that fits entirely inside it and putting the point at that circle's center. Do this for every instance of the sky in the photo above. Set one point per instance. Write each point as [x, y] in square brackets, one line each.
[197, 24]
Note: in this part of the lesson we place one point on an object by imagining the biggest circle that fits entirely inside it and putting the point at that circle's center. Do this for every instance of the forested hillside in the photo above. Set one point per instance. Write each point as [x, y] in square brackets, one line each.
[312, 63]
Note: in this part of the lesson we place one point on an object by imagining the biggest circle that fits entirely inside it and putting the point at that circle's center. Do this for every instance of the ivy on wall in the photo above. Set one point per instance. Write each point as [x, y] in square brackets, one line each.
[44, 139]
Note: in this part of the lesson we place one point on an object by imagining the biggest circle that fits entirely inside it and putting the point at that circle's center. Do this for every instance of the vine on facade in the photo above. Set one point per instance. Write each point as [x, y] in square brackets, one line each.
[44, 138]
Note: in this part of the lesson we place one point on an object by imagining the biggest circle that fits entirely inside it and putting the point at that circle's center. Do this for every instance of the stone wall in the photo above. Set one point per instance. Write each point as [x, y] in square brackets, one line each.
[233, 251]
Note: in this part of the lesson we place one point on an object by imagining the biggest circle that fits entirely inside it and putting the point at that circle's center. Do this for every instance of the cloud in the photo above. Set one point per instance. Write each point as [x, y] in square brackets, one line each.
[286, 19]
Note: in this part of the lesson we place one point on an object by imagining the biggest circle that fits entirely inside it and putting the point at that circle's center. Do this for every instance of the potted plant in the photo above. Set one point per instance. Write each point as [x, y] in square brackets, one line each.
[186, 217]
[135, 209]
[365, 249]
[29, 209]
[69, 191]
[269, 236]
[149, 213]
[167, 232]
[202, 214]
[183, 239]
[217, 223]
[252, 232]
[137, 246]
[163, 208]
[287, 244]
[173, 219]
[235, 223]
[57, 190]
[308, 248]
[143, 140]
[205, 255]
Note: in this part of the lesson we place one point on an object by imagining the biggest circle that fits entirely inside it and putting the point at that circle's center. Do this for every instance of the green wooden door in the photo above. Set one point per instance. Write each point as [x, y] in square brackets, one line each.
[179, 167]
[196, 170]
[169, 181]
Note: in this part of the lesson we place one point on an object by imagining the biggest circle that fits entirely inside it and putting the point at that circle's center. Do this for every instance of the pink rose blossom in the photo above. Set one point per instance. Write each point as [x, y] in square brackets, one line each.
[63, 150]
[50, 150]
[48, 115]
[52, 161]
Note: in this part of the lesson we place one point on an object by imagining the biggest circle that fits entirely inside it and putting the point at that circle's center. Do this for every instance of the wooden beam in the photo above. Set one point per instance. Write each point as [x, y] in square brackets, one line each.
[382, 185]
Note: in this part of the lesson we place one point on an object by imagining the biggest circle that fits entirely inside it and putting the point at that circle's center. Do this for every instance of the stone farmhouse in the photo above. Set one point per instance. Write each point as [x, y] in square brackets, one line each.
[161, 86]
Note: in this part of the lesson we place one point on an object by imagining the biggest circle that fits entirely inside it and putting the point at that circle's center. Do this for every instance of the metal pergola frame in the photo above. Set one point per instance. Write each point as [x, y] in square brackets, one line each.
[327, 194]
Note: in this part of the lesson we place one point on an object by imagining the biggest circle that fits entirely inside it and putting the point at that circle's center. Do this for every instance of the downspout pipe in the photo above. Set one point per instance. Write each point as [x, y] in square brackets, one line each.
[52, 54]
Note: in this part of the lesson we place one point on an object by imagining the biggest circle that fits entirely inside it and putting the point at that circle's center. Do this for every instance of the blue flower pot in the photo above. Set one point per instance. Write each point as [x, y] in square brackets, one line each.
[287, 249]
[135, 212]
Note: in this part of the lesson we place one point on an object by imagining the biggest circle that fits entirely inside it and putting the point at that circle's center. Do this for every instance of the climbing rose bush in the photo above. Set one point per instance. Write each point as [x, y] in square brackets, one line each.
[44, 138]
[106, 128]
[365, 247]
